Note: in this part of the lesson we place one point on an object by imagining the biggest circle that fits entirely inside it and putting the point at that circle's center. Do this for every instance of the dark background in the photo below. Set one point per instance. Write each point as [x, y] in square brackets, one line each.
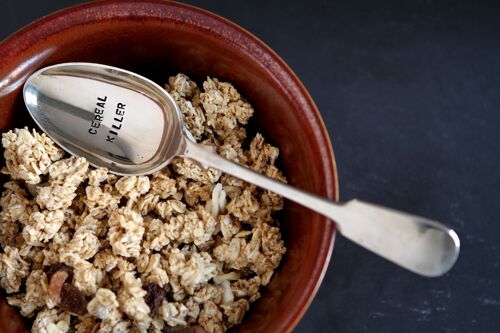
[410, 93]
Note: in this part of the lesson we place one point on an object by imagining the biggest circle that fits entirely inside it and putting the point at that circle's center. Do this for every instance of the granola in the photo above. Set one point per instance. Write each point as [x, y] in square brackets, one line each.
[184, 249]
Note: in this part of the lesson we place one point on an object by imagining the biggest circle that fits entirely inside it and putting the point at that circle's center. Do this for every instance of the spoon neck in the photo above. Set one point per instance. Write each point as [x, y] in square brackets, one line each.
[203, 155]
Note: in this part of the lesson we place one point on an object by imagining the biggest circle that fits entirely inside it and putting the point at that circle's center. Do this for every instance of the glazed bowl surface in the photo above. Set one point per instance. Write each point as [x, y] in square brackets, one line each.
[158, 39]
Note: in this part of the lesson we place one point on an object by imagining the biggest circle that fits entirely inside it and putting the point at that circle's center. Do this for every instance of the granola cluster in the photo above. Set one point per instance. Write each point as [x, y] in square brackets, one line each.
[84, 250]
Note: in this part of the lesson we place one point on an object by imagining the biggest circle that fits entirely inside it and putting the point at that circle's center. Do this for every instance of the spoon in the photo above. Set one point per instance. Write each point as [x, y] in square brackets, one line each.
[127, 123]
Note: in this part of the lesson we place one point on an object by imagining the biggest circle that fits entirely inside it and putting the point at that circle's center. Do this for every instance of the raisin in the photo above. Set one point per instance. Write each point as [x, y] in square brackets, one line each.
[57, 275]
[73, 300]
[155, 297]
[123, 202]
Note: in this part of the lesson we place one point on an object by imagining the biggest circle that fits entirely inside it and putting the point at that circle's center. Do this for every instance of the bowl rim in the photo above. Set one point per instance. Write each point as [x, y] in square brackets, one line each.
[42, 28]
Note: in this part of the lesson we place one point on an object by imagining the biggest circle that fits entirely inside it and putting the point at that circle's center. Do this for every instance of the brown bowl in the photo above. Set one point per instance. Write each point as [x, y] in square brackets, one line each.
[158, 39]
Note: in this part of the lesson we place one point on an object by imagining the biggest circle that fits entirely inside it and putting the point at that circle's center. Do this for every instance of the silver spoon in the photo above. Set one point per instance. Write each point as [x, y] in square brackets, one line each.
[130, 125]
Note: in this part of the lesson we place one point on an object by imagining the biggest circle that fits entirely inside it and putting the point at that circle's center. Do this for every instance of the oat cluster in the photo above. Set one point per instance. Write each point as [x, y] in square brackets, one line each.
[84, 250]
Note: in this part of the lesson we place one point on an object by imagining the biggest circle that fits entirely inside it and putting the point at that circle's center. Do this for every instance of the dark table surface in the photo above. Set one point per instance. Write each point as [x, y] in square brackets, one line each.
[410, 93]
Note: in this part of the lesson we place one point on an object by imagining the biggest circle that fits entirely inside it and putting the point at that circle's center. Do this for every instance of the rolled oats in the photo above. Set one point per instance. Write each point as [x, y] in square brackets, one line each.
[51, 321]
[125, 232]
[86, 324]
[186, 94]
[184, 248]
[132, 303]
[42, 227]
[16, 207]
[28, 155]
[193, 271]
[211, 318]
[192, 227]
[152, 270]
[36, 294]
[13, 269]
[174, 313]
[104, 306]
[65, 177]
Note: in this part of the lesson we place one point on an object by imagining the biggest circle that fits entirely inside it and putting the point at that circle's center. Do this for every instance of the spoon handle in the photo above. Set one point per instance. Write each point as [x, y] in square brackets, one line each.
[420, 245]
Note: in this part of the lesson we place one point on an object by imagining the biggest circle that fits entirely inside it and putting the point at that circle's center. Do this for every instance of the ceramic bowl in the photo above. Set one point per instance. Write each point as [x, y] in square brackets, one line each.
[158, 39]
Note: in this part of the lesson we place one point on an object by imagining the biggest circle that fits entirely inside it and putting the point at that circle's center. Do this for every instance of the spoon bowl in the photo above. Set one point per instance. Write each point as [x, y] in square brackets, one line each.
[114, 118]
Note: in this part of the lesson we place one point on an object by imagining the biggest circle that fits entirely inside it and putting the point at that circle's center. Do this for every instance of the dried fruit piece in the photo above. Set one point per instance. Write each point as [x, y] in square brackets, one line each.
[155, 297]
[73, 300]
[56, 283]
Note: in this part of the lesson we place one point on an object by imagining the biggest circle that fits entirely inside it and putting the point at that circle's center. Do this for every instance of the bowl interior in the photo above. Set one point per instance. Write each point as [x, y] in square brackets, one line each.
[157, 39]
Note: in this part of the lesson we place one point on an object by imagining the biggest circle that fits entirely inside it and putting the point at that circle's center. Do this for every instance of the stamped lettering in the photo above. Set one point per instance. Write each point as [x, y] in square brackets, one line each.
[98, 115]
[116, 125]
[117, 122]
